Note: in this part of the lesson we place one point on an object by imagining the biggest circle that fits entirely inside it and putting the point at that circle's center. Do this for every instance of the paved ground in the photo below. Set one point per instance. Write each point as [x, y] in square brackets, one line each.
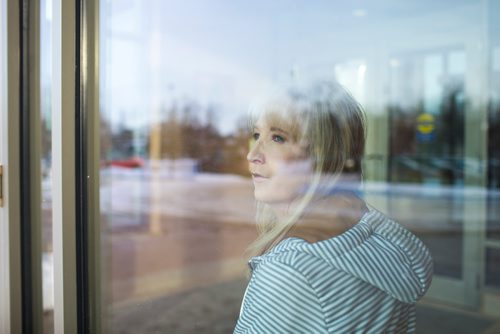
[215, 310]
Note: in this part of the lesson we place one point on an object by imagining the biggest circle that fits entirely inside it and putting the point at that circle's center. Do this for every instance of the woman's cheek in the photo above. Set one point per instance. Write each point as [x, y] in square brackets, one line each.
[296, 167]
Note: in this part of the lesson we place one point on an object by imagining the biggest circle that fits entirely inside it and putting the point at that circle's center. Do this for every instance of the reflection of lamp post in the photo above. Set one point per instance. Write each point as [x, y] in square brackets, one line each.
[155, 137]
[155, 147]
[154, 154]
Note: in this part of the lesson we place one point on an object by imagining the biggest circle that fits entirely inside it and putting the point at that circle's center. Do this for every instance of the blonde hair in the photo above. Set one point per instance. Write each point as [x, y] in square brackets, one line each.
[332, 124]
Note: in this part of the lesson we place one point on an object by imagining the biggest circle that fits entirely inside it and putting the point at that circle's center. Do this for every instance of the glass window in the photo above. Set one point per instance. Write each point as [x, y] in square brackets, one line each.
[175, 192]
[427, 148]
[177, 201]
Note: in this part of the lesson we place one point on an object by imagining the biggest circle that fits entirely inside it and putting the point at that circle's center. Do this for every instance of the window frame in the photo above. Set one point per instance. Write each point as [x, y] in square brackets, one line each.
[75, 151]
[10, 236]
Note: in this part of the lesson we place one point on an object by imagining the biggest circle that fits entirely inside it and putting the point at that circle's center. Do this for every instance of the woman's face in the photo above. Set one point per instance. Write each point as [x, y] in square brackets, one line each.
[278, 162]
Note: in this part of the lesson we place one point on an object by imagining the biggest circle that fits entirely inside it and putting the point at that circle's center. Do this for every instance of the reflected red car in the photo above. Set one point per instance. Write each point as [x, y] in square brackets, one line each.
[134, 162]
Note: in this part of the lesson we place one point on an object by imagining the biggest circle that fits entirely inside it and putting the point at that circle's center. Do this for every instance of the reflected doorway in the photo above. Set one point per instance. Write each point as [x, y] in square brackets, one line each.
[426, 167]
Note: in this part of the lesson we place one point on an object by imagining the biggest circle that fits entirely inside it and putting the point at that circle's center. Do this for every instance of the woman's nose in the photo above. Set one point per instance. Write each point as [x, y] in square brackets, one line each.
[255, 155]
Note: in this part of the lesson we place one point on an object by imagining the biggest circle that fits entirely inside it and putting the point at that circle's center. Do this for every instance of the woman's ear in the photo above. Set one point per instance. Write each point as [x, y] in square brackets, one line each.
[349, 164]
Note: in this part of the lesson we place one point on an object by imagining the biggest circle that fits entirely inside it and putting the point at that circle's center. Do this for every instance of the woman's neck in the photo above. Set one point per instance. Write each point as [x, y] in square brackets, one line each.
[327, 217]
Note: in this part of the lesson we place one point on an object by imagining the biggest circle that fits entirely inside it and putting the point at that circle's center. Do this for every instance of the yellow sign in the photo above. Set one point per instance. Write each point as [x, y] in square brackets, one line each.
[425, 123]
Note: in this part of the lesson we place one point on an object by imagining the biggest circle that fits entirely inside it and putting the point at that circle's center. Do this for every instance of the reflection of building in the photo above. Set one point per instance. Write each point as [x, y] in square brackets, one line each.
[427, 73]
[435, 123]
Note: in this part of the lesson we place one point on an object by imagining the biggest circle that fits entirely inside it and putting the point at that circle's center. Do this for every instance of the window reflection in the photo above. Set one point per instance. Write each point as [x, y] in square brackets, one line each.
[427, 148]
[176, 198]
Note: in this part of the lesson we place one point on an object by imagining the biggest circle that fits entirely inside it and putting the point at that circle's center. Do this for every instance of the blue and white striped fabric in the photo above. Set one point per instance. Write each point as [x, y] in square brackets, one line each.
[365, 280]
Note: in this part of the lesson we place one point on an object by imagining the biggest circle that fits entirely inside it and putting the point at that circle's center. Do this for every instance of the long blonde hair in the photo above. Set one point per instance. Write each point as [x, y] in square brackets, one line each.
[332, 124]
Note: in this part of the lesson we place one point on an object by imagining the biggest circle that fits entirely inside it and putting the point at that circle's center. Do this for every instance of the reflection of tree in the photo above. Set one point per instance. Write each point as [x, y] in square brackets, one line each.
[171, 136]
[453, 120]
[106, 143]
[46, 138]
[452, 132]
[414, 159]
[122, 142]
[190, 134]
[493, 147]
[186, 130]
[212, 144]
[403, 142]
[186, 134]
[235, 150]
[402, 134]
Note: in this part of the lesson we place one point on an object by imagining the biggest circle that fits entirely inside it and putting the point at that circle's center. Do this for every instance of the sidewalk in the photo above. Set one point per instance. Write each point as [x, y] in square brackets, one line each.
[215, 309]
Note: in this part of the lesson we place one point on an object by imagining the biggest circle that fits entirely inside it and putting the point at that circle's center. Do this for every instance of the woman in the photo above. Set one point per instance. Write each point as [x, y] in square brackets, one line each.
[325, 262]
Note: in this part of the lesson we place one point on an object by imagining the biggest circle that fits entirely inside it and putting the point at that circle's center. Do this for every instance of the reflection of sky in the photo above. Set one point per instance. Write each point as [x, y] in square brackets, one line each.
[224, 53]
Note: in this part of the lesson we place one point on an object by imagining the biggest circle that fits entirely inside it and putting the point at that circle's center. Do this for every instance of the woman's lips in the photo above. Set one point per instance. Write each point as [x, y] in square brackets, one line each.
[259, 178]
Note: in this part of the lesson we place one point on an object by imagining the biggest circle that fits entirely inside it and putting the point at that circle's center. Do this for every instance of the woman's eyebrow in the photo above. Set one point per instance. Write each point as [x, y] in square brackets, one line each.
[274, 128]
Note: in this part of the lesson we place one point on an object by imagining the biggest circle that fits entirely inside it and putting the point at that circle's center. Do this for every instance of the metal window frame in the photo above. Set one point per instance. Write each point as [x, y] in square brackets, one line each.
[75, 151]
[30, 167]
[21, 239]
[76, 169]
[63, 170]
[87, 142]
[10, 274]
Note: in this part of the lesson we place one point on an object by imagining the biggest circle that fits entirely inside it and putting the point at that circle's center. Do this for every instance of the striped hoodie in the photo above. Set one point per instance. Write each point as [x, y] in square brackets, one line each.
[365, 280]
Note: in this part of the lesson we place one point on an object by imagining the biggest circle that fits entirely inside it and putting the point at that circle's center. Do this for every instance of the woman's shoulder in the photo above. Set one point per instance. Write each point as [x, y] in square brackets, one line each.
[377, 251]
[383, 253]
[291, 252]
[373, 227]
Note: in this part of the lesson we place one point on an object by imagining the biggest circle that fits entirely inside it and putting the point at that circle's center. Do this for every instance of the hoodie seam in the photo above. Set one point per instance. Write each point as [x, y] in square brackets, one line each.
[321, 302]
[308, 281]
[409, 255]
[331, 266]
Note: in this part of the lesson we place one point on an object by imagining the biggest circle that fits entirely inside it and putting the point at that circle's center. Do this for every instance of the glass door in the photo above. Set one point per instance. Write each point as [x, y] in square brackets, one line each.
[428, 167]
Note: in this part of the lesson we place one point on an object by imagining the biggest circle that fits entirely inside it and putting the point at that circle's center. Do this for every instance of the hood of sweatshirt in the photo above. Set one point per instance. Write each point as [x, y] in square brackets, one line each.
[376, 250]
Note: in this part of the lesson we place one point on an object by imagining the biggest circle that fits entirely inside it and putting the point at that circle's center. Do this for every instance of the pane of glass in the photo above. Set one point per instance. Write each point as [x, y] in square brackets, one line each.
[46, 163]
[174, 186]
[427, 145]
[177, 201]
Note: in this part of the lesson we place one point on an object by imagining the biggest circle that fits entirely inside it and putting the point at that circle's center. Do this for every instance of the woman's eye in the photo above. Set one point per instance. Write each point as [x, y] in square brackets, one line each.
[256, 136]
[278, 139]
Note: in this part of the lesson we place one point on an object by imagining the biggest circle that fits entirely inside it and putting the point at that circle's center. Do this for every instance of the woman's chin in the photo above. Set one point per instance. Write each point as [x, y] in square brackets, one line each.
[273, 197]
